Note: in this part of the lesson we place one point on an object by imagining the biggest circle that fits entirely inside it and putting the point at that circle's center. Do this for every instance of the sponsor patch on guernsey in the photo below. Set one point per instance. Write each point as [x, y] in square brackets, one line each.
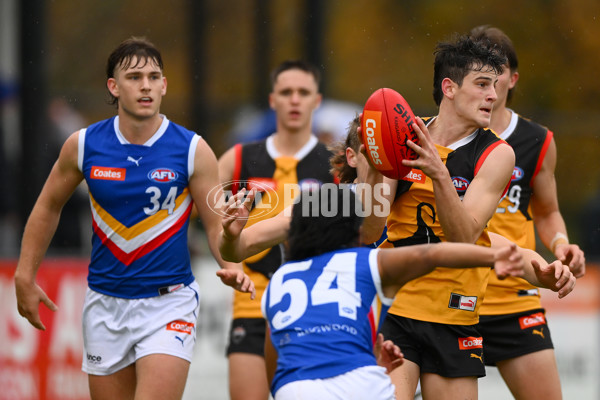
[415, 175]
[108, 173]
[531, 320]
[460, 302]
[162, 175]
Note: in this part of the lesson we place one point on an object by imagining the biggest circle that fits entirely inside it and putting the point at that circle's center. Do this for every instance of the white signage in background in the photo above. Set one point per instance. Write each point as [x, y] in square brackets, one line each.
[20, 342]
[44, 365]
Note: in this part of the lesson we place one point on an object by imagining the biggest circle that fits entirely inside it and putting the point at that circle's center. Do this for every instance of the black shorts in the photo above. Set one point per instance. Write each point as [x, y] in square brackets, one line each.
[452, 351]
[247, 335]
[513, 335]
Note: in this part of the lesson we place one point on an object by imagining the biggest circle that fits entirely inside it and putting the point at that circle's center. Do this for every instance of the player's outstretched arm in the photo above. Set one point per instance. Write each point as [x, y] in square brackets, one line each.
[236, 242]
[554, 276]
[40, 228]
[548, 220]
[402, 264]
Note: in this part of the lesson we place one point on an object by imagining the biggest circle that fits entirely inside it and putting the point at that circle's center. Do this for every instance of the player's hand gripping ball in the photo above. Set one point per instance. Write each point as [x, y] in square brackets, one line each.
[386, 126]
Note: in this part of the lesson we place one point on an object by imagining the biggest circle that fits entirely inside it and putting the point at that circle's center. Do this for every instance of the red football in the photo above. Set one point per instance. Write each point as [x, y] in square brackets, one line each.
[386, 125]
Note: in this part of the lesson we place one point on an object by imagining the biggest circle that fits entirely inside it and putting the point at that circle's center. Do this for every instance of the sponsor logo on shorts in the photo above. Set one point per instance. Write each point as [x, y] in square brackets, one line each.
[471, 342]
[107, 173]
[180, 326]
[162, 175]
[93, 359]
[532, 320]
[480, 358]
[539, 332]
[460, 302]
[415, 175]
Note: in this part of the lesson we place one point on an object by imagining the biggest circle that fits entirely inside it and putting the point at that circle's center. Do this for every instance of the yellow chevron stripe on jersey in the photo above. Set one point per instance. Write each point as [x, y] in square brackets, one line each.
[130, 238]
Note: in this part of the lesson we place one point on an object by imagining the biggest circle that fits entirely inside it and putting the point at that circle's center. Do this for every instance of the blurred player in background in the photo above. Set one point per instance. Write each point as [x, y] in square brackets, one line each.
[290, 156]
[144, 174]
[512, 322]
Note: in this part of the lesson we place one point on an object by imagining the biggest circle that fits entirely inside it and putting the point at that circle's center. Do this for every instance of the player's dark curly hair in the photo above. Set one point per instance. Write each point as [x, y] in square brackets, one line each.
[338, 161]
[323, 220]
[456, 58]
[122, 57]
[500, 41]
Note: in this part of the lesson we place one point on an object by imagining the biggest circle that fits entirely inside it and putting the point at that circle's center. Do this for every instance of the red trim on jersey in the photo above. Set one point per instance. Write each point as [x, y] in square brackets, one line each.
[237, 167]
[128, 258]
[549, 136]
[483, 157]
[371, 317]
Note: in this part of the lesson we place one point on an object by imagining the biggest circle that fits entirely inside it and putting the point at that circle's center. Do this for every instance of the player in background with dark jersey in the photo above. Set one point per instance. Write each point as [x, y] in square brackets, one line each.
[453, 189]
[144, 173]
[516, 337]
[291, 157]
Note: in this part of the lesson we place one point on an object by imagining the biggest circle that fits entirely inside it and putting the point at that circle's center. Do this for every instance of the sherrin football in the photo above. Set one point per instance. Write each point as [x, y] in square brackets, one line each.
[386, 126]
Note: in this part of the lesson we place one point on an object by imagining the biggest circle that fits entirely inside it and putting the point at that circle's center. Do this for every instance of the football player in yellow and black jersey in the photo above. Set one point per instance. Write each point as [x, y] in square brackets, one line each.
[461, 172]
[289, 159]
[512, 322]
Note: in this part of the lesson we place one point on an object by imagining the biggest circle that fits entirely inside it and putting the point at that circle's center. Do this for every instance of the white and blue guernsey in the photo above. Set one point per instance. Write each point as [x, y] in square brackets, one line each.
[318, 312]
[141, 204]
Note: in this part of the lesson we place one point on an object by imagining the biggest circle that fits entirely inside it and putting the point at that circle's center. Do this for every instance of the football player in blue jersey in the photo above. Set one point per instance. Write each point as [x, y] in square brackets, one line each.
[144, 174]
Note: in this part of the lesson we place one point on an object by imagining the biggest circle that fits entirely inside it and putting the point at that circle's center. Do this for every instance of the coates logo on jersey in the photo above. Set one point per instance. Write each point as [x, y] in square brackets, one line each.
[461, 184]
[415, 175]
[162, 175]
[180, 326]
[107, 173]
[532, 320]
[471, 342]
[517, 174]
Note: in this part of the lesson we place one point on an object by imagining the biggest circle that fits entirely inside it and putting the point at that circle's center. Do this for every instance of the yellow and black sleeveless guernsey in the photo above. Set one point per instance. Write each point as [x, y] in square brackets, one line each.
[278, 179]
[513, 219]
[445, 295]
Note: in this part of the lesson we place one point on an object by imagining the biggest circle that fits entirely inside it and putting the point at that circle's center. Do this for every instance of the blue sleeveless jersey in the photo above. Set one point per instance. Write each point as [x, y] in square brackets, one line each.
[140, 205]
[318, 310]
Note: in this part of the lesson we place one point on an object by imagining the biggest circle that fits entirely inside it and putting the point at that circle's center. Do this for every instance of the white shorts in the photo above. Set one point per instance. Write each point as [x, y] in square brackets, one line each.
[363, 383]
[117, 331]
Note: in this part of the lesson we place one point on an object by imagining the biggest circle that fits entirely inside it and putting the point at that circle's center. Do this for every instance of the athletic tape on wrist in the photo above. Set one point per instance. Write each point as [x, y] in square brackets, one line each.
[559, 238]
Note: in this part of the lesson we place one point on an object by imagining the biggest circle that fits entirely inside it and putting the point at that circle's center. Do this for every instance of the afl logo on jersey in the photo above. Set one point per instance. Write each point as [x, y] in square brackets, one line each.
[162, 175]
[309, 184]
[517, 174]
[461, 184]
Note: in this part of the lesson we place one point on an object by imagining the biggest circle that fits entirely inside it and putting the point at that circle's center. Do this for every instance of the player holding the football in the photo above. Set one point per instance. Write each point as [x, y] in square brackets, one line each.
[467, 169]
[509, 343]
